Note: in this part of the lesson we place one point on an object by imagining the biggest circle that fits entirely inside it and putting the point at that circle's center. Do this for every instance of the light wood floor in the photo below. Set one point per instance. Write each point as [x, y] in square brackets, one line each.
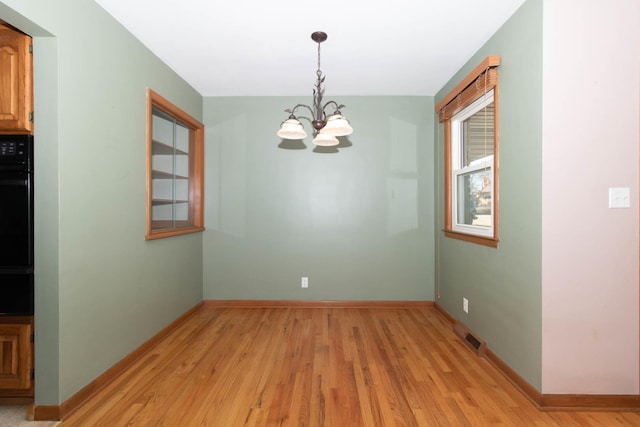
[318, 367]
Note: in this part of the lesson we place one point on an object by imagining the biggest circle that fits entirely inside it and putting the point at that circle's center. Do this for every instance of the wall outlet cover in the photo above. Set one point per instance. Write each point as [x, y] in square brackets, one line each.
[620, 197]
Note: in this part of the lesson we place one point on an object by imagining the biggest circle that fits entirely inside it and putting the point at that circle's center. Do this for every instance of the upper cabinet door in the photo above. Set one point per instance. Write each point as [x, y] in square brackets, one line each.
[16, 87]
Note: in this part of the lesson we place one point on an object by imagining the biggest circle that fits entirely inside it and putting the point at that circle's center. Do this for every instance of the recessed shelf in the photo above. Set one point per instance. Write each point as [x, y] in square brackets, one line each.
[155, 174]
[175, 166]
[165, 149]
[167, 201]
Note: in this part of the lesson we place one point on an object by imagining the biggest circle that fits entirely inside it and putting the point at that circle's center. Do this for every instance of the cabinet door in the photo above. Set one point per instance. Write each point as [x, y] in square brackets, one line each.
[15, 356]
[16, 94]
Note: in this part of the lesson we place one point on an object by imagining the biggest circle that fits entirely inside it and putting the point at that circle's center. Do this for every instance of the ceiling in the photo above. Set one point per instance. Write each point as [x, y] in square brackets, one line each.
[264, 48]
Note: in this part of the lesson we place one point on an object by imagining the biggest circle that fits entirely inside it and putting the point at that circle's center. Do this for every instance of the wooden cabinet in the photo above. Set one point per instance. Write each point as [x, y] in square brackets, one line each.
[16, 357]
[16, 117]
[16, 82]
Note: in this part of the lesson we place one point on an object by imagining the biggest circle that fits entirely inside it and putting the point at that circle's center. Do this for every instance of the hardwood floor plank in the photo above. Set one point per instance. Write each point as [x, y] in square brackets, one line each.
[297, 366]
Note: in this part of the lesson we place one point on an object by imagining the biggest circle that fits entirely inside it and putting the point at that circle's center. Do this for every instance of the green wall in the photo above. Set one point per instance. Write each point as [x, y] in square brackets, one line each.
[504, 285]
[101, 289]
[358, 222]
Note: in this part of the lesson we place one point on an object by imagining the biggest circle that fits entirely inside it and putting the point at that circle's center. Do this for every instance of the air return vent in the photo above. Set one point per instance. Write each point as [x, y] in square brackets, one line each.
[474, 343]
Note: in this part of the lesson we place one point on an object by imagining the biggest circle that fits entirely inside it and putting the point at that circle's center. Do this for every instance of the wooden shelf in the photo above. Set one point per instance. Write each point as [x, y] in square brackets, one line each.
[165, 149]
[167, 201]
[155, 174]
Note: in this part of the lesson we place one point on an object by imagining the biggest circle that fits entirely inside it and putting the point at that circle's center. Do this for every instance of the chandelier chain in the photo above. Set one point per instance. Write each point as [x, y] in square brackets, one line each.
[318, 72]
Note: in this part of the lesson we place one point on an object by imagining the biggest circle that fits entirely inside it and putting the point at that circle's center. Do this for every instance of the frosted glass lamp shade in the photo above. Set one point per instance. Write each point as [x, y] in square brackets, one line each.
[292, 129]
[337, 125]
[325, 140]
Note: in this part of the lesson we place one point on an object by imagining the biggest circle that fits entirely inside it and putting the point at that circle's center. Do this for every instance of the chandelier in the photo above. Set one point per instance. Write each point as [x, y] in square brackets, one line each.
[326, 128]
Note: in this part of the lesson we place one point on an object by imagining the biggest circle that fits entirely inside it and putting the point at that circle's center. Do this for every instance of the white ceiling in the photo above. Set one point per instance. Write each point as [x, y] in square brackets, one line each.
[263, 47]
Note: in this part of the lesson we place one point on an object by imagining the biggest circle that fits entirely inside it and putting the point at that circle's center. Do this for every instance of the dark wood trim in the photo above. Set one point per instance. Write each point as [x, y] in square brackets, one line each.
[527, 389]
[43, 413]
[448, 203]
[479, 240]
[161, 234]
[496, 166]
[318, 304]
[590, 402]
[46, 413]
[556, 402]
[445, 314]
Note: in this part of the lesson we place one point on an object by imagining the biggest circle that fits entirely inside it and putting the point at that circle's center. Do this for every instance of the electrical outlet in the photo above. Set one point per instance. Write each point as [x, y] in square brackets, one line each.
[304, 282]
[465, 305]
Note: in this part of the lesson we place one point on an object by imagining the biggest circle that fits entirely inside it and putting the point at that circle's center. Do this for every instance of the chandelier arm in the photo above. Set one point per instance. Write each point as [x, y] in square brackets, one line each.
[338, 106]
[292, 111]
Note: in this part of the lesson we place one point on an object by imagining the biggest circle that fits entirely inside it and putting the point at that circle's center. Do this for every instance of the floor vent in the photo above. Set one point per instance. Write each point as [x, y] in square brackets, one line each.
[477, 345]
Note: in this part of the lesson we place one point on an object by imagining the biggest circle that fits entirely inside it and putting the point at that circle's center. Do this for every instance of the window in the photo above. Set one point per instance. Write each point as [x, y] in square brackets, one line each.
[470, 117]
[175, 164]
[472, 167]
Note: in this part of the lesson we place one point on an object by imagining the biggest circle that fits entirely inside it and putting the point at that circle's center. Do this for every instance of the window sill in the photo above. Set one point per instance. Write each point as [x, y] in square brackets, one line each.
[173, 232]
[479, 240]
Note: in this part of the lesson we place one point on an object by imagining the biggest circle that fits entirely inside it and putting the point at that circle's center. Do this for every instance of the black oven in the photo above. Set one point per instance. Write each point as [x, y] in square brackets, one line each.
[16, 225]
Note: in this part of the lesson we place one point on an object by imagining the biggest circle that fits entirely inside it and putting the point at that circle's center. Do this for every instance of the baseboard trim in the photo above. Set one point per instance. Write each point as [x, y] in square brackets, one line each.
[555, 402]
[53, 413]
[525, 388]
[590, 402]
[317, 304]
[43, 413]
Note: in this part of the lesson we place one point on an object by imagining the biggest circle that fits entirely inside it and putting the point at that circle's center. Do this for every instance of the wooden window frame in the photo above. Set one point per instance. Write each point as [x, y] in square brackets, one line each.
[482, 79]
[196, 169]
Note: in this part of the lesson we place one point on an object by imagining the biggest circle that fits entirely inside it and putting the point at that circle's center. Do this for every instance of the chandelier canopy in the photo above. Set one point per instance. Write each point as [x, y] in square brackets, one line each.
[326, 128]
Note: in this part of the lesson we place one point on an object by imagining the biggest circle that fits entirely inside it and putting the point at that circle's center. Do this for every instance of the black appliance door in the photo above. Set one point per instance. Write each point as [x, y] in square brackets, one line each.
[16, 225]
[16, 293]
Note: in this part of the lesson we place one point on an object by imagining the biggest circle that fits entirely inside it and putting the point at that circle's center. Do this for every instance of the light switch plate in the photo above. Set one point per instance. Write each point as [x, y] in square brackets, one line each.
[619, 197]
